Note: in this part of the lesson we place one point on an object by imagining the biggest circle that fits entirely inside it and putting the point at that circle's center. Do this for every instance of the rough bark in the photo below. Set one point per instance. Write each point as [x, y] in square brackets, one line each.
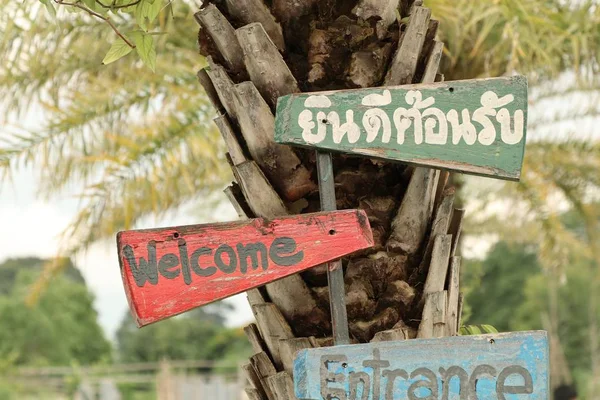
[399, 288]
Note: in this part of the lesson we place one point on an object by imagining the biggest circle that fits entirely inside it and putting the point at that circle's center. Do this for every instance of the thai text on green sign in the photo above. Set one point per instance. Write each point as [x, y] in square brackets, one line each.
[473, 126]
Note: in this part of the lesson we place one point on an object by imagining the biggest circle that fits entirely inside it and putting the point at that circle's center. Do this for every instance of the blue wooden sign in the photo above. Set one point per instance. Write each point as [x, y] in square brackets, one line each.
[505, 366]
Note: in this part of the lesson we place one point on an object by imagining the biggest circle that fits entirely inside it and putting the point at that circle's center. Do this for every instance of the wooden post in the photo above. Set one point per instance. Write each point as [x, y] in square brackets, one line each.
[335, 272]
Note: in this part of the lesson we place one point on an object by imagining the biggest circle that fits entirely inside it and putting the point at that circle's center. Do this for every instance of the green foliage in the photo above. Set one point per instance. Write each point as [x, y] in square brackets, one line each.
[61, 329]
[538, 37]
[512, 293]
[196, 335]
[144, 12]
[129, 142]
[118, 49]
[496, 279]
[10, 268]
[469, 330]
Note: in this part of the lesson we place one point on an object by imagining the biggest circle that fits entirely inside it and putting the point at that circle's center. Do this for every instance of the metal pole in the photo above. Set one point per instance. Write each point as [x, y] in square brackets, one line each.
[335, 272]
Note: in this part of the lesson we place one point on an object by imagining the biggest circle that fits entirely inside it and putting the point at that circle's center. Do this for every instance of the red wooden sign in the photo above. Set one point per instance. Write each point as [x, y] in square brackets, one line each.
[168, 271]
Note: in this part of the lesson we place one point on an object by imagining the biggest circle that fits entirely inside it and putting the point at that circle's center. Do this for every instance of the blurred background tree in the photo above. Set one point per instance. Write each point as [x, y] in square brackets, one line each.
[133, 143]
[196, 335]
[38, 336]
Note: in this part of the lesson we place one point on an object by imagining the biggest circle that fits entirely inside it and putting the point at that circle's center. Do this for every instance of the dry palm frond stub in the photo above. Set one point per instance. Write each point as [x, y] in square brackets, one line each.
[308, 45]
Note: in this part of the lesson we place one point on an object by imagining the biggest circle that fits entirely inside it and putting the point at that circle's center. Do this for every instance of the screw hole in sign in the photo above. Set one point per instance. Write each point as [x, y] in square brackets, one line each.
[492, 341]
[176, 235]
[451, 90]
[332, 232]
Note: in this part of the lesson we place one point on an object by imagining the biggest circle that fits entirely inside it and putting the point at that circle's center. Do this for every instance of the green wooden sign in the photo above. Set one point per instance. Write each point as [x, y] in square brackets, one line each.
[475, 126]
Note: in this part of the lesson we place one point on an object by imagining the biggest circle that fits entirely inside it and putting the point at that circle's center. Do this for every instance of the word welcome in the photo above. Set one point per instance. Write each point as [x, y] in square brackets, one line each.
[226, 259]
[418, 122]
[502, 366]
[172, 270]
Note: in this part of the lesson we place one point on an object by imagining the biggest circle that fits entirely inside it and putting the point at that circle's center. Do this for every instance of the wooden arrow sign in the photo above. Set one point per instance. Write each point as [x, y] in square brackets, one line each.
[474, 126]
[168, 271]
[499, 366]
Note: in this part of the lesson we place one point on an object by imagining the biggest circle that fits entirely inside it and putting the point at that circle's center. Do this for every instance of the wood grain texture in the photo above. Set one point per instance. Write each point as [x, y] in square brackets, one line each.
[224, 88]
[210, 90]
[237, 200]
[231, 141]
[253, 394]
[248, 11]
[279, 163]
[265, 65]
[475, 126]
[438, 268]
[405, 61]
[172, 270]
[273, 328]
[455, 228]
[410, 224]
[499, 366]
[263, 200]
[253, 335]
[453, 296]
[254, 381]
[288, 349]
[282, 386]
[223, 35]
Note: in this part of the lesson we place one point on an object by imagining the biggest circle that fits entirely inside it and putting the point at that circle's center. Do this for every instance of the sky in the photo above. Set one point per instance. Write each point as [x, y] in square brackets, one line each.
[32, 227]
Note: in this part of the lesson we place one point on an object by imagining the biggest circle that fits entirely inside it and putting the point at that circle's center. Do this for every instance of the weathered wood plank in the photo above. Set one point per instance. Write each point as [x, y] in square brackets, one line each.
[392, 335]
[503, 366]
[223, 35]
[282, 386]
[461, 299]
[233, 146]
[433, 320]
[438, 268]
[440, 226]
[253, 394]
[248, 11]
[405, 60]
[273, 328]
[453, 296]
[254, 380]
[224, 87]
[237, 200]
[476, 126]
[253, 335]
[172, 270]
[288, 349]
[262, 199]
[262, 365]
[210, 90]
[279, 163]
[265, 65]
[456, 228]
[411, 222]
[255, 297]
[433, 63]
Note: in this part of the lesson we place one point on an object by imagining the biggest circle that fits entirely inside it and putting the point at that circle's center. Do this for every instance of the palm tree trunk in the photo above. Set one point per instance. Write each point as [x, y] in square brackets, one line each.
[407, 285]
